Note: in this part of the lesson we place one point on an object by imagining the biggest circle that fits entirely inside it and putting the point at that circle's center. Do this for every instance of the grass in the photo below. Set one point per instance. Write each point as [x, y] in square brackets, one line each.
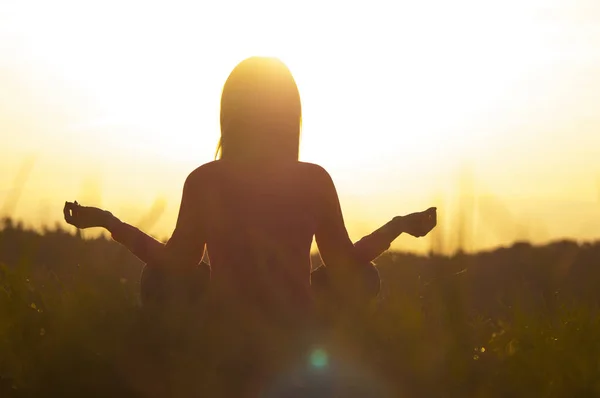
[518, 321]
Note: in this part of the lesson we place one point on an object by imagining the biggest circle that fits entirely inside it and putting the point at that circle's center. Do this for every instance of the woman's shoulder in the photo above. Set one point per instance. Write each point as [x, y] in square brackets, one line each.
[204, 173]
[215, 170]
[315, 171]
[312, 168]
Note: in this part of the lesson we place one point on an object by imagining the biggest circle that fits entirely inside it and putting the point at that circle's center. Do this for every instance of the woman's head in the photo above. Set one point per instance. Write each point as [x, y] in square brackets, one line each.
[261, 114]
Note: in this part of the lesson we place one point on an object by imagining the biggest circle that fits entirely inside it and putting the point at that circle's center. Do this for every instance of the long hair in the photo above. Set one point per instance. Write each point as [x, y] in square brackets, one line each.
[261, 113]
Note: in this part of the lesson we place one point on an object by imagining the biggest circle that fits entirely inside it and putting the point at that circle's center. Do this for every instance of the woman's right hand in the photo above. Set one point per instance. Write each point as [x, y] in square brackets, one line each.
[419, 224]
[86, 217]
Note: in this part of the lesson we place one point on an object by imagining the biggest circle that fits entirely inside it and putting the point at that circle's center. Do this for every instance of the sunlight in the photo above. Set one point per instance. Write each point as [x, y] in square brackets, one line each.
[396, 95]
[160, 71]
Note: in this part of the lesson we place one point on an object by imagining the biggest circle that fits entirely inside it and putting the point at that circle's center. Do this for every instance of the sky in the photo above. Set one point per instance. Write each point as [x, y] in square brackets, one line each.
[485, 109]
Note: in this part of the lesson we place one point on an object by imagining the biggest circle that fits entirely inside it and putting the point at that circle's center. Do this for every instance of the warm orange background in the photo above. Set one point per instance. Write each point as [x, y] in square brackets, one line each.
[488, 110]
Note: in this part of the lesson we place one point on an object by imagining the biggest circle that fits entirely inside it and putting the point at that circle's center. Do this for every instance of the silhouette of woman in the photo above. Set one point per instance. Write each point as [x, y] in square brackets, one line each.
[256, 210]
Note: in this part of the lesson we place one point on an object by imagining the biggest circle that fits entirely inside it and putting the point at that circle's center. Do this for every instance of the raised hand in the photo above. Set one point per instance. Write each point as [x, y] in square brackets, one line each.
[86, 217]
[421, 223]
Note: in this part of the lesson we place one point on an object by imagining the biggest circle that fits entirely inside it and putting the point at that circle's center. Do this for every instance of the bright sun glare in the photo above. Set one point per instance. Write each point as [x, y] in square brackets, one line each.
[396, 94]
[372, 80]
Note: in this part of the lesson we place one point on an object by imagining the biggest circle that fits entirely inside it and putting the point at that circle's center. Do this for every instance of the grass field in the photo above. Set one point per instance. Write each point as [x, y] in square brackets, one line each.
[519, 321]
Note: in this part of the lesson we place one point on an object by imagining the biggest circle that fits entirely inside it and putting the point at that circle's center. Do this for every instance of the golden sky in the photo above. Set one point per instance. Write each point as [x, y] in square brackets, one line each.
[488, 110]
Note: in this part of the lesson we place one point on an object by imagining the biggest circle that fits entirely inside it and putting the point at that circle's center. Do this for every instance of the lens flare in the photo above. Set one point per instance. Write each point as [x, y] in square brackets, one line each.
[319, 359]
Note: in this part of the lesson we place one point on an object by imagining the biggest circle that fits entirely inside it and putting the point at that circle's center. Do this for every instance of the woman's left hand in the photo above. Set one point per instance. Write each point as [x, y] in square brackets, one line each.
[419, 224]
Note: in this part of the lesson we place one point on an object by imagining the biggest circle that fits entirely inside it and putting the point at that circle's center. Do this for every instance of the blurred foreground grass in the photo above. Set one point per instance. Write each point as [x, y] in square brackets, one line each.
[518, 321]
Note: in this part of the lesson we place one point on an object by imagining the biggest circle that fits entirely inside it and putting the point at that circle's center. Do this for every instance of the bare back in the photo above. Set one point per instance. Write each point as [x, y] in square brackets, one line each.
[258, 225]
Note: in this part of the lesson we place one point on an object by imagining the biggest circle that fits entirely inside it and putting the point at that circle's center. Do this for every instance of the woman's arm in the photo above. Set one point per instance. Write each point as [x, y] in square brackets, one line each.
[185, 249]
[371, 246]
[350, 273]
[416, 224]
[146, 248]
[172, 274]
[332, 237]
[352, 263]
[143, 246]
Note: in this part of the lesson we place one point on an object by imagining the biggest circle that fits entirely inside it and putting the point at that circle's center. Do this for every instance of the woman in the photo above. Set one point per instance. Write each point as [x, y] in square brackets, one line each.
[256, 210]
